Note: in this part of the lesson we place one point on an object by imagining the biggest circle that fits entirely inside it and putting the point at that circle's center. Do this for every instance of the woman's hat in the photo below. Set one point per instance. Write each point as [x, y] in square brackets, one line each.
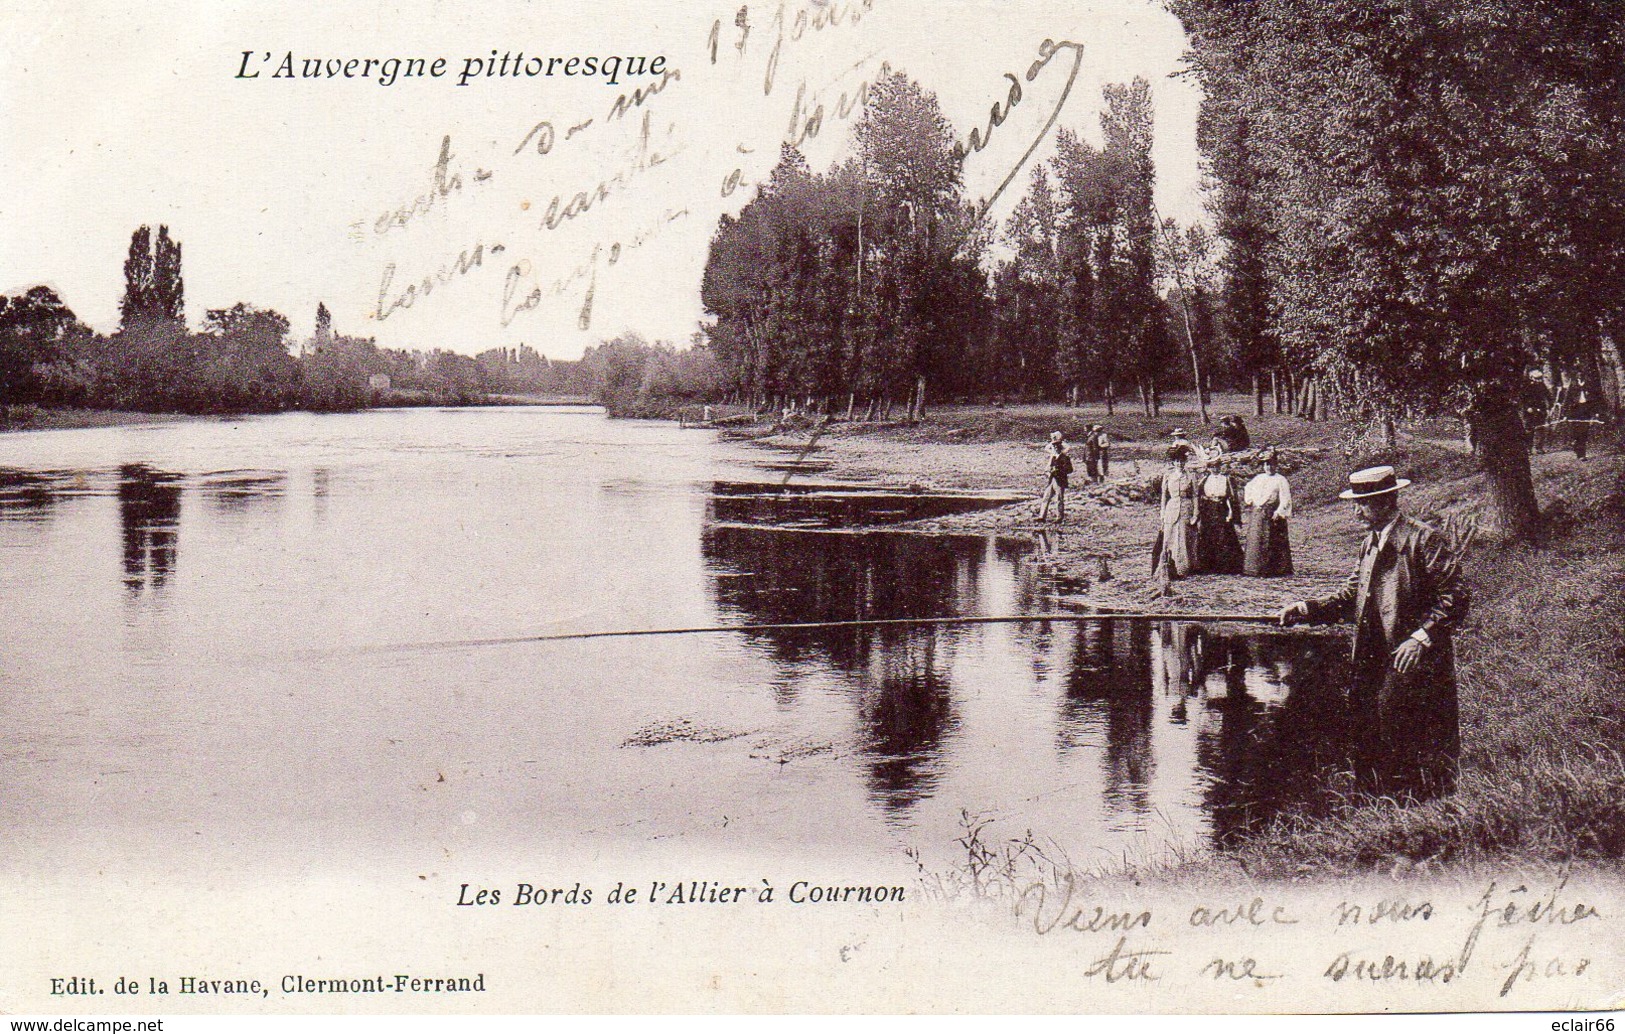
[1055, 436]
[1265, 455]
[1363, 484]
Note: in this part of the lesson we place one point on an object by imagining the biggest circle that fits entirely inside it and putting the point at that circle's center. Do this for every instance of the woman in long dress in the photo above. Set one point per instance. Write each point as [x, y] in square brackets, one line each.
[1178, 543]
[1218, 516]
[1269, 507]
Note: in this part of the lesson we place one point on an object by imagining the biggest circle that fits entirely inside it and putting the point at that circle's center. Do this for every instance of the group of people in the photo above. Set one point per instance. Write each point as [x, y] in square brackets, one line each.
[1569, 404]
[1204, 512]
[1404, 596]
[1097, 462]
[1204, 516]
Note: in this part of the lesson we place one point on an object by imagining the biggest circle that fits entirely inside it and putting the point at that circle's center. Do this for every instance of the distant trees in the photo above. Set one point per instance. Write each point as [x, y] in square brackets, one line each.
[33, 328]
[862, 283]
[154, 291]
[631, 377]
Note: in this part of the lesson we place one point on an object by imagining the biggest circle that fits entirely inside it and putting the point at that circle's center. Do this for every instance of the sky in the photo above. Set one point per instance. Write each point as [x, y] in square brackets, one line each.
[436, 211]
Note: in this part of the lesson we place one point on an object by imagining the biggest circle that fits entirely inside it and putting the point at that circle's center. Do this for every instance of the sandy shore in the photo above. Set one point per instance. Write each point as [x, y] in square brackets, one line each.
[1117, 522]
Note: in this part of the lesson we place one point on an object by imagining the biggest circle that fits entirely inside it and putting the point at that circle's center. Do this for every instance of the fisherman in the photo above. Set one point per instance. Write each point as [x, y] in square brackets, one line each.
[1059, 470]
[1405, 599]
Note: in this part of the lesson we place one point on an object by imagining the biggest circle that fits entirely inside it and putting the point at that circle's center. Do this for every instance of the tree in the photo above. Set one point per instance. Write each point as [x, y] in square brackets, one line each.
[1031, 302]
[864, 280]
[168, 288]
[154, 292]
[1181, 254]
[31, 327]
[921, 239]
[243, 361]
[324, 326]
[1435, 182]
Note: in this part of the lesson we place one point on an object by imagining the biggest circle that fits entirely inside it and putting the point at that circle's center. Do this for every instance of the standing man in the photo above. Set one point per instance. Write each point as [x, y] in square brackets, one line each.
[1405, 599]
[1091, 457]
[1103, 452]
[1060, 469]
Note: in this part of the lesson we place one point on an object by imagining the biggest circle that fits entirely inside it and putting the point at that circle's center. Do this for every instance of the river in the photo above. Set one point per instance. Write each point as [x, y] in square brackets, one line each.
[250, 642]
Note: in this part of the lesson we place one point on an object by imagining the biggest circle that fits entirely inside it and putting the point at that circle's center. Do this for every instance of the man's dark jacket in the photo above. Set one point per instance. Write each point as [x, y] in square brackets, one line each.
[1413, 583]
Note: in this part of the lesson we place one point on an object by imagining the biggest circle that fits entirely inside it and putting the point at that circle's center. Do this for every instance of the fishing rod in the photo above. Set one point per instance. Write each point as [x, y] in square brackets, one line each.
[797, 626]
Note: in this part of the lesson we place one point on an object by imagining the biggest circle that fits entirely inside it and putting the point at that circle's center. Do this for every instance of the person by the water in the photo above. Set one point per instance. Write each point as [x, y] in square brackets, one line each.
[1268, 499]
[1091, 456]
[1218, 517]
[1176, 544]
[1059, 470]
[1103, 452]
[1405, 599]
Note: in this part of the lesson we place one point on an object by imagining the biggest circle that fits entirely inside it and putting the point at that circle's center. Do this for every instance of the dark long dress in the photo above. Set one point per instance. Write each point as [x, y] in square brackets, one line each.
[1269, 549]
[1219, 551]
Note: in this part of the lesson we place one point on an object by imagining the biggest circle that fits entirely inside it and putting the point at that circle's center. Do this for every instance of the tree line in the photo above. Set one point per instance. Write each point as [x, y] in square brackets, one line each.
[879, 284]
[1414, 206]
[242, 359]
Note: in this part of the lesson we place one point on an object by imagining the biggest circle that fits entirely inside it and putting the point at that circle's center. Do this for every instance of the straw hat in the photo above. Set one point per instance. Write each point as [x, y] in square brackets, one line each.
[1372, 481]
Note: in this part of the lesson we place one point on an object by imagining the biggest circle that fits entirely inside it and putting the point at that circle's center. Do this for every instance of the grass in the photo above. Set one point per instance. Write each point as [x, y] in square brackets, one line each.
[1539, 666]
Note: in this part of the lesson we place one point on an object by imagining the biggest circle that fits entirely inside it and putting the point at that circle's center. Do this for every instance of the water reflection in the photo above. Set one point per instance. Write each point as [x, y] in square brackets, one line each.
[238, 491]
[1165, 715]
[149, 503]
[1107, 707]
[27, 495]
[898, 677]
[1277, 732]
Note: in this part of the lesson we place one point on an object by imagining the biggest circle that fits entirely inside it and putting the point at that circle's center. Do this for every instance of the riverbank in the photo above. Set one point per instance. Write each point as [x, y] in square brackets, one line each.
[1538, 658]
[41, 418]
[36, 418]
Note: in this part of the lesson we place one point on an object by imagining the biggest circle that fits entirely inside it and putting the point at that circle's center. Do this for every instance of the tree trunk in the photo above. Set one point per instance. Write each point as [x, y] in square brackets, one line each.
[851, 403]
[1275, 390]
[1111, 399]
[1503, 443]
[919, 390]
[1615, 365]
[1258, 396]
[1145, 400]
[1390, 436]
[1196, 365]
[1156, 399]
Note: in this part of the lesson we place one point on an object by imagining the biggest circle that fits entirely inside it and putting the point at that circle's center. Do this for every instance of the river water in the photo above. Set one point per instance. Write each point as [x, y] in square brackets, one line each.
[253, 638]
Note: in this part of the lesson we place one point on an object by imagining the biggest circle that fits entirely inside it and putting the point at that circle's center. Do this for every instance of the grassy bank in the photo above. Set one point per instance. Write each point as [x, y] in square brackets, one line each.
[1540, 659]
[1540, 666]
